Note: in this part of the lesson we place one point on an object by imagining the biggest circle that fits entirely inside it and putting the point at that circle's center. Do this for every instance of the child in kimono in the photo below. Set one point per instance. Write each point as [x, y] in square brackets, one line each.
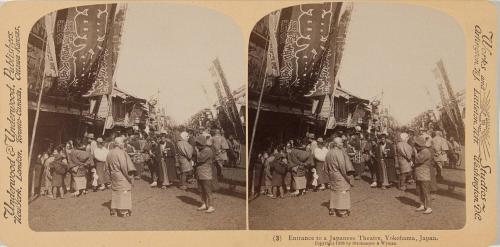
[279, 170]
[58, 169]
[267, 176]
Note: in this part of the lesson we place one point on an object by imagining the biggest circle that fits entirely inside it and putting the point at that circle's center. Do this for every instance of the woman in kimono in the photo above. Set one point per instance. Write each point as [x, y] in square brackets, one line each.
[299, 161]
[340, 170]
[121, 171]
[79, 162]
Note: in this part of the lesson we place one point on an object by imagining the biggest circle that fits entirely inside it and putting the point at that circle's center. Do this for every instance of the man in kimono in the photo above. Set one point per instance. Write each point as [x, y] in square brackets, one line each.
[154, 163]
[100, 156]
[340, 170]
[184, 157]
[405, 155]
[121, 170]
[384, 154]
[220, 146]
[159, 155]
[423, 163]
[441, 148]
[169, 155]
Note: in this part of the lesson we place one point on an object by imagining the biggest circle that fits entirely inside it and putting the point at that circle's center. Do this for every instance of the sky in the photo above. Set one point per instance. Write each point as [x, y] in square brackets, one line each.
[394, 48]
[170, 47]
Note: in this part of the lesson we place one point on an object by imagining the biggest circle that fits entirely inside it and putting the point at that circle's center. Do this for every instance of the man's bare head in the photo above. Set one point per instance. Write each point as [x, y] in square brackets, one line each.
[338, 142]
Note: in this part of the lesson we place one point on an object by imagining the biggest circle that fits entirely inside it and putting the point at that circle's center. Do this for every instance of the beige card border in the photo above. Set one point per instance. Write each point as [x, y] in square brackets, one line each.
[246, 13]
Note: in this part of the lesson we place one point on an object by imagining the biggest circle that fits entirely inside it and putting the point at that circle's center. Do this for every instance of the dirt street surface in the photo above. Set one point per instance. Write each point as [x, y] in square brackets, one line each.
[152, 209]
[372, 208]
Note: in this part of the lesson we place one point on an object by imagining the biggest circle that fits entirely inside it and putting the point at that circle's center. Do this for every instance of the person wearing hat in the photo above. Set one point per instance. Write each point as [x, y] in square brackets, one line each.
[121, 171]
[100, 155]
[204, 157]
[319, 163]
[384, 153]
[159, 152]
[423, 163]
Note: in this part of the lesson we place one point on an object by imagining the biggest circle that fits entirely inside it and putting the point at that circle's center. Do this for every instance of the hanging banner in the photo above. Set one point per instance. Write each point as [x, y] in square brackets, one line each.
[80, 41]
[331, 61]
[107, 62]
[272, 68]
[35, 55]
[331, 123]
[50, 50]
[259, 39]
[302, 44]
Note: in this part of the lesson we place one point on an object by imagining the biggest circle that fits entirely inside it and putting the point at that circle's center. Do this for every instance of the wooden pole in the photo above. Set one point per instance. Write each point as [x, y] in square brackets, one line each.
[254, 129]
[256, 121]
[37, 114]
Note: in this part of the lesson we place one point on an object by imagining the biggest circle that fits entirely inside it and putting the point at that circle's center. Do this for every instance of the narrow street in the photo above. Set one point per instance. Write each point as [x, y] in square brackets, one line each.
[153, 209]
[372, 209]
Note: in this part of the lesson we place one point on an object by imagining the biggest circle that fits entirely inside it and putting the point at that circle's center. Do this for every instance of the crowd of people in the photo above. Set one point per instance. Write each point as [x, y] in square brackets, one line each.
[174, 158]
[388, 159]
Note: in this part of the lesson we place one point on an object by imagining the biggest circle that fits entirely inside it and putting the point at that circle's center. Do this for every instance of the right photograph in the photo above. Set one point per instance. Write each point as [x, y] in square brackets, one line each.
[356, 118]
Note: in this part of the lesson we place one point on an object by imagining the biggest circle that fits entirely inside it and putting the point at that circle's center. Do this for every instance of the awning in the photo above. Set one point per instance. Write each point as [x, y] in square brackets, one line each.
[279, 108]
[118, 92]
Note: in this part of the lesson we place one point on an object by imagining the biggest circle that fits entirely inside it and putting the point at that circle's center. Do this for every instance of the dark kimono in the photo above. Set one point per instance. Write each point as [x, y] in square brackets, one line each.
[58, 170]
[386, 167]
[300, 161]
[160, 165]
[278, 172]
[169, 154]
[339, 167]
[120, 168]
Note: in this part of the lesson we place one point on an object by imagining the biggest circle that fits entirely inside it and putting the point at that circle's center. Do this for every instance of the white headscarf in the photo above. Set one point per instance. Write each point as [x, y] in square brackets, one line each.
[184, 136]
[404, 137]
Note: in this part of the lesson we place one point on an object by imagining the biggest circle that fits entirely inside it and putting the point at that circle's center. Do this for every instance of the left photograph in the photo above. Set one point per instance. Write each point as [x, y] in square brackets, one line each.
[136, 117]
